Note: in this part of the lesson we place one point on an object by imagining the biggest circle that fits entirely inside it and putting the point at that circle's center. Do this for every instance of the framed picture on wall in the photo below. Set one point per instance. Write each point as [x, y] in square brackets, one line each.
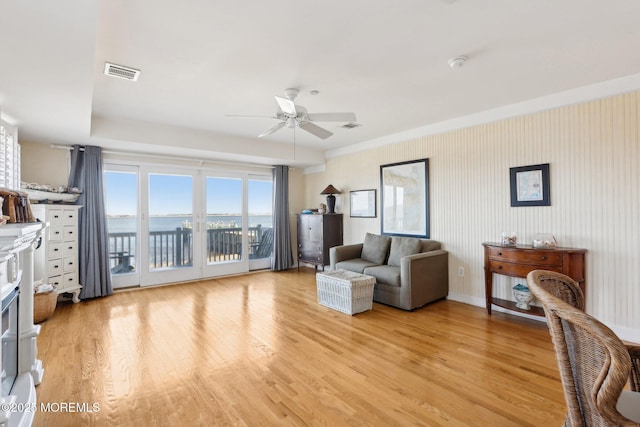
[404, 204]
[530, 185]
[362, 204]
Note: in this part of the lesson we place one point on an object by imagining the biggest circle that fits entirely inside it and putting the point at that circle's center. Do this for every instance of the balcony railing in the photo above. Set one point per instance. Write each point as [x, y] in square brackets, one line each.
[174, 248]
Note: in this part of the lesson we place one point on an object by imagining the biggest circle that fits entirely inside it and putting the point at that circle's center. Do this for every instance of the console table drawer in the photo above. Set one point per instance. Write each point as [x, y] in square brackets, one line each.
[540, 258]
[518, 270]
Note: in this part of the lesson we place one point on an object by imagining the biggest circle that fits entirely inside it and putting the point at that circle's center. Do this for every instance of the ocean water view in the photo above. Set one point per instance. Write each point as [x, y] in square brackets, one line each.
[127, 224]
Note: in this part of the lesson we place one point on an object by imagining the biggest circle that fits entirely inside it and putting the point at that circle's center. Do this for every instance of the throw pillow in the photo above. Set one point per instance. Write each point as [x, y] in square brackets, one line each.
[375, 248]
[403, 246]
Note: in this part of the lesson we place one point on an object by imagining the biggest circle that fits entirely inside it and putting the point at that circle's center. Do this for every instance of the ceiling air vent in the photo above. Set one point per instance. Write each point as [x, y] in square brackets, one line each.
[121, 72]
[351, 125]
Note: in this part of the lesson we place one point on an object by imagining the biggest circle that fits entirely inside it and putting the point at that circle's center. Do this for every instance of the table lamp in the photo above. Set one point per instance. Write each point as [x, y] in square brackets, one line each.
[331, 199]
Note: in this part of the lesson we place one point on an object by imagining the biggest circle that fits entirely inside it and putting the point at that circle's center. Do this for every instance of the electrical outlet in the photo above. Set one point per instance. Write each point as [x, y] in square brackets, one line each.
[461, 271]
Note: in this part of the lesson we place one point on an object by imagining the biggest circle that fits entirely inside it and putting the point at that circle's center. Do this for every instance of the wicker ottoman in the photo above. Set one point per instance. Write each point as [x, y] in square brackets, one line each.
[345, 291]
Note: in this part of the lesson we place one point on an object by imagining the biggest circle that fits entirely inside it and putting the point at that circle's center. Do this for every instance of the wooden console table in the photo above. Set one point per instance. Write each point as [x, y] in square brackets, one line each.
[518, 261]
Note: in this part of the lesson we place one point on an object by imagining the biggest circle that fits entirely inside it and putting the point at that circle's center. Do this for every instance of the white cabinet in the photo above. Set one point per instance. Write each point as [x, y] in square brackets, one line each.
[56, 261]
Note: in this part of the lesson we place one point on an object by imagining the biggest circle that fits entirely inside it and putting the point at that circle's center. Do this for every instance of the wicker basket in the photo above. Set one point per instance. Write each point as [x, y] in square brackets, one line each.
[44, 304]
[345, 291]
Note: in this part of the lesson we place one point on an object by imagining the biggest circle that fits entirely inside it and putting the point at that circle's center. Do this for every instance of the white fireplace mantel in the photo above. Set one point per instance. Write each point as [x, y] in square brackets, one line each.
[17, 245]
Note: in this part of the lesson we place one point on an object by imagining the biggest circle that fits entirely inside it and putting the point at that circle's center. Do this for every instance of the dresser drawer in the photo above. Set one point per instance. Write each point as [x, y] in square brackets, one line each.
[70, 233]
[54, 267]
[54, 250]
[55, 233]
[313, 256]
[55, 281]
[517, 270]
[69, 280]
[55, 217]
[69, 264]
[312, 246]
[69, 248]
[70, 217]
[537, 257]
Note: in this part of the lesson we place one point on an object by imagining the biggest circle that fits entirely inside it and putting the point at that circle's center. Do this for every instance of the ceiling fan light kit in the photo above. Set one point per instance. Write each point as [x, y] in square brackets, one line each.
[292, 115]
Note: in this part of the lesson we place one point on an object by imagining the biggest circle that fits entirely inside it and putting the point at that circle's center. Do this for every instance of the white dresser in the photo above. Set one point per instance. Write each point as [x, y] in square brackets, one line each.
[56, 261]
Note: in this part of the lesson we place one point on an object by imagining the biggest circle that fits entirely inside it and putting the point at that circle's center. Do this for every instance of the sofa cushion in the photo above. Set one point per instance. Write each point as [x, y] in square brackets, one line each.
[387, 274]
[401, 247]
[375, 248]
[357, 265]
[430, 245]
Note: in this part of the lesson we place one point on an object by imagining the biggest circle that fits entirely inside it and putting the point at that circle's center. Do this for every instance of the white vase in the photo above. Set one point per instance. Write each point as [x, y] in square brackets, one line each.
[523, 297]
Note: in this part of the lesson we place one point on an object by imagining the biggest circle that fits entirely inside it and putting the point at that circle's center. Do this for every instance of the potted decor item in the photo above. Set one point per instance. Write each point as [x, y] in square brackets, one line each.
[509, 239]
[523, 297]
[544, 240]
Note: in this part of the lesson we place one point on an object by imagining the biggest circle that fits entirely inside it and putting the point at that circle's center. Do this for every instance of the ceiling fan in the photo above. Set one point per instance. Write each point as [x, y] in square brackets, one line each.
[291, 115]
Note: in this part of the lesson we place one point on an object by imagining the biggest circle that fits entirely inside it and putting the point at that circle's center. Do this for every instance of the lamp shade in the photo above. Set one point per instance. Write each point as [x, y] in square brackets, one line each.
[330, 190]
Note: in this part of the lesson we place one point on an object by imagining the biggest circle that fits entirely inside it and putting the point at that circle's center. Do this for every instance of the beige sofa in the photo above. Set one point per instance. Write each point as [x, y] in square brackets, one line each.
[409, 272]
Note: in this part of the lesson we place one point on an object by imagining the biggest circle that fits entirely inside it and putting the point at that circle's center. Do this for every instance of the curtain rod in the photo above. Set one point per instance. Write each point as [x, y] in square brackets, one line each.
[160, 156]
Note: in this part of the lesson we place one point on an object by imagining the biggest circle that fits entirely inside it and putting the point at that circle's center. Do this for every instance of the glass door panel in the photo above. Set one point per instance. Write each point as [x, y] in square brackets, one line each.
[224, 219]
[121, 201]
[225, 226]
[170, 221]
[260, 222]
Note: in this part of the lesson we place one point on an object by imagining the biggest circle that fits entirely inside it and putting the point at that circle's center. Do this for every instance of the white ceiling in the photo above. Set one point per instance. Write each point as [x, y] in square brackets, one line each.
[204, 59]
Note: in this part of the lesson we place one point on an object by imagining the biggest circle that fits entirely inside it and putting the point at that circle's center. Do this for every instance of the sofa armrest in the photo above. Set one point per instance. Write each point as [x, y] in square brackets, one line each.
[424, 277]
[343, 253]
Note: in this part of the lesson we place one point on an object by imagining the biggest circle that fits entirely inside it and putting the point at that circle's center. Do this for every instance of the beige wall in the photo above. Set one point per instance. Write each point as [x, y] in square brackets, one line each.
[43, 164]
[594, 155]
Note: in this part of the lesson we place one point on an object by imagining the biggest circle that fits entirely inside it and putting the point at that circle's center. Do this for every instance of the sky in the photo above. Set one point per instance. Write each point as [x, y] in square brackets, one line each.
[172, 194]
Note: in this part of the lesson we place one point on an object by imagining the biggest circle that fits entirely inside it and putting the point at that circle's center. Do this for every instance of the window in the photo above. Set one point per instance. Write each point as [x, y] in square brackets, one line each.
[9, 156]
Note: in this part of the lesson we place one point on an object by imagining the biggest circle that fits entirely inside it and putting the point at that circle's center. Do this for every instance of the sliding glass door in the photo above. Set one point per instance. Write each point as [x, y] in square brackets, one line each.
[177, 224]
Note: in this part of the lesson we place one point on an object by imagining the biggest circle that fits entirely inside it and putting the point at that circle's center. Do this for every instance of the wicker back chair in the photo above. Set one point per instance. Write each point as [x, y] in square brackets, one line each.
[560, 286]
[594, 364]
[568, 290]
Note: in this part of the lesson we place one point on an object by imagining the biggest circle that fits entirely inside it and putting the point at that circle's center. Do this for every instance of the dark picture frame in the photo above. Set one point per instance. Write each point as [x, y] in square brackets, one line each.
[530, 185]
[362, 204]
[404, 200]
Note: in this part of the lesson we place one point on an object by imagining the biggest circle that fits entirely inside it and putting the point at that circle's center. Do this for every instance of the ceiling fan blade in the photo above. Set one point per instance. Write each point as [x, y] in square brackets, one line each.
[273, 129]
[332, 117]
[315, 130]
[250, 116]
[287, 106]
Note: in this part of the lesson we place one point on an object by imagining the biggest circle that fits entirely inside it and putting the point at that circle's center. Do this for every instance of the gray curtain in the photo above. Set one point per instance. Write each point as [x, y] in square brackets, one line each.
[281, 258]
[86, 174]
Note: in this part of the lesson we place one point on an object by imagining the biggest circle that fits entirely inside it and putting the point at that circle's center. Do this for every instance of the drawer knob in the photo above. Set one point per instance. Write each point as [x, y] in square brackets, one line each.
[499, 267]
[500, 253]
[544, 258]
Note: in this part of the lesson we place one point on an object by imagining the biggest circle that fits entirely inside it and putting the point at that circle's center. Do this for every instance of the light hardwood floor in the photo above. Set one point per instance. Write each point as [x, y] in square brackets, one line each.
[259, 350]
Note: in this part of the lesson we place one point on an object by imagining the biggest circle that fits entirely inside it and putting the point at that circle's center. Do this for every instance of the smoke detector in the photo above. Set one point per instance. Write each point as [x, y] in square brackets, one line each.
[121, 72]
[457, 62]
